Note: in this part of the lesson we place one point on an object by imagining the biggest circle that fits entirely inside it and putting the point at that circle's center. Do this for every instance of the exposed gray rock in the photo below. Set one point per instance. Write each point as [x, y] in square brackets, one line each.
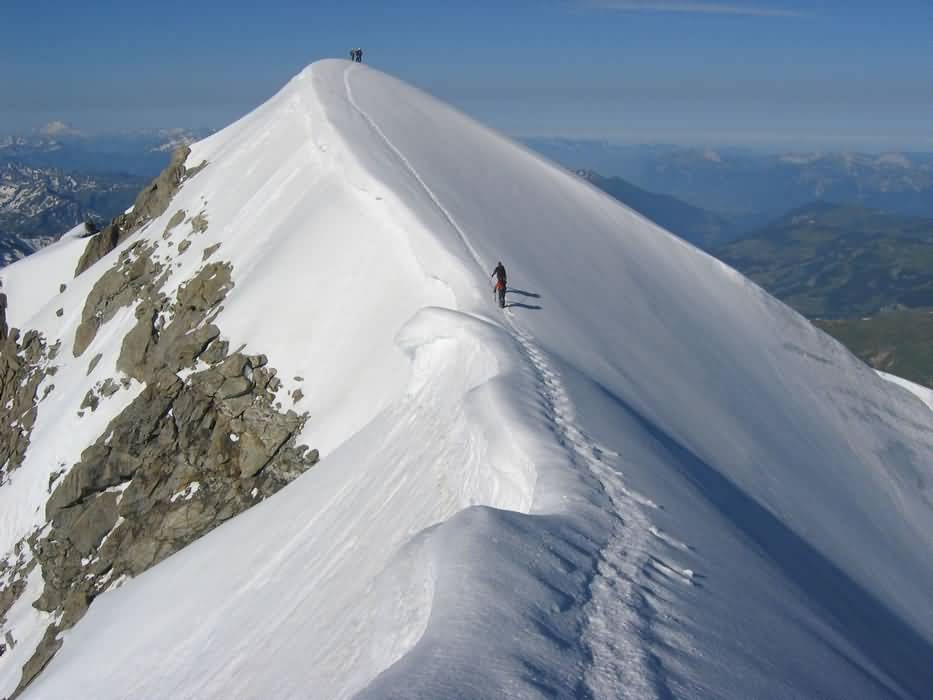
[15, 569]
[90, 401]
[176, 219]
[134, 351]
[209, 251]
[199, 223]
[186, 337]
[195, 170]
[48, 647]
[180, 459]
[234, 387]
[23, 368]
[207, 289]
[215, 352]
[134, 276]
[167, 473]
[183, 246]
[95, 519]
[4, 330]
[151, 203]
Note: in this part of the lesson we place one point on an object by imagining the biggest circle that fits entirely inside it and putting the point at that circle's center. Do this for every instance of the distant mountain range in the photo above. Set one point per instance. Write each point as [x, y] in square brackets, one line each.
[826, 260]
[741, 182]
[54, 178]
[705, 229]
[142, 152]
[39, 204]
[863, 275]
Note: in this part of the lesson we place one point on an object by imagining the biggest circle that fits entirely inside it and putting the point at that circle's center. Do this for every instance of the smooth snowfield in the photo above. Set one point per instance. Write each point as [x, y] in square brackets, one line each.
[646, 478]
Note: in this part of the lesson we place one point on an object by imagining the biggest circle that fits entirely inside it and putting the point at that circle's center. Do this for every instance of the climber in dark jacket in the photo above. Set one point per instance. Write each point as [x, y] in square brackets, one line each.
[501, 282]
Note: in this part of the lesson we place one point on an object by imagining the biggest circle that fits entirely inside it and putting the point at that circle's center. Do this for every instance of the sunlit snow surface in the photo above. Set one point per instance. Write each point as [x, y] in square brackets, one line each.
[646, 478]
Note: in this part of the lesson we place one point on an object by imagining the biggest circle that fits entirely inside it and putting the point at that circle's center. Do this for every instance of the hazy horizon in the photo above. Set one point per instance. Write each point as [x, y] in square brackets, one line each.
[66, 131]
[774, 74]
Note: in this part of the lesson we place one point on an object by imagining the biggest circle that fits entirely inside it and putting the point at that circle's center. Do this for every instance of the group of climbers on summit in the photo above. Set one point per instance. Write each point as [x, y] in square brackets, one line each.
[356, 55]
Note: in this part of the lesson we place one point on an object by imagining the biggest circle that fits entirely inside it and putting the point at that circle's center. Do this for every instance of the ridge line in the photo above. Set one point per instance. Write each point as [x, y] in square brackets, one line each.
[411, 169]
[615, 598]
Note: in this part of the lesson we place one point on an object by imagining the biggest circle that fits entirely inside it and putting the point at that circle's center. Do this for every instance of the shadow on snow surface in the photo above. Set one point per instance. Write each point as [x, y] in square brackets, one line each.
[520, 305]
[878, 632]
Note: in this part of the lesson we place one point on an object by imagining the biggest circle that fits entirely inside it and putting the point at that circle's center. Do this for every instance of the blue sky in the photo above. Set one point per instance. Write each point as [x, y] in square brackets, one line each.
[768, 73]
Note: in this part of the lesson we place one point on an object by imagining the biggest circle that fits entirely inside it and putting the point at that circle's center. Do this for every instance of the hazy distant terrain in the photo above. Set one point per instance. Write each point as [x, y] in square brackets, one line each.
[869, 271]
[50, 182]
[744, 182]
[142, 152]
[900, 342]
[701, 227]
[39, 204]
[839, 261]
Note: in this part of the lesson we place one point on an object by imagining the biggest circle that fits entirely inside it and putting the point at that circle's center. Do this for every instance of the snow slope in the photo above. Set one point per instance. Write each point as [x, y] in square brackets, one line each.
[921, 392]
[647, 478]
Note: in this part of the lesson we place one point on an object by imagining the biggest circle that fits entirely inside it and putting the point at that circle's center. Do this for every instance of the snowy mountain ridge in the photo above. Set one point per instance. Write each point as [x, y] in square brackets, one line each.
[646, 478]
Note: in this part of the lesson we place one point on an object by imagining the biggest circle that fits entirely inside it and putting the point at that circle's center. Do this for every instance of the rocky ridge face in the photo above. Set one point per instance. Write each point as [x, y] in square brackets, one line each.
[25, 363]
[206, 438]
[151, 203]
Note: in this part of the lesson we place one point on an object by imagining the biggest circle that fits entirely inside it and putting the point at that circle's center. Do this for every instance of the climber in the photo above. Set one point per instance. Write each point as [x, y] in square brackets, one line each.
[501, 282]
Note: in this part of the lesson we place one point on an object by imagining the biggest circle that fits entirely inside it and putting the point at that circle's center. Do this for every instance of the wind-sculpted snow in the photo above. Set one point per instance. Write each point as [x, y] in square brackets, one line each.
[646, 478]
[923, 393]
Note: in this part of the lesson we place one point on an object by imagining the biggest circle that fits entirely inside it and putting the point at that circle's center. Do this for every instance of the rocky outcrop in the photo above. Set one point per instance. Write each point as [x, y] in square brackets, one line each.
[151, 203]
[209, 251]
[184, 457]
[4, 329]
[24, 366]
[203, 441]
[14, 569]
[134, 277]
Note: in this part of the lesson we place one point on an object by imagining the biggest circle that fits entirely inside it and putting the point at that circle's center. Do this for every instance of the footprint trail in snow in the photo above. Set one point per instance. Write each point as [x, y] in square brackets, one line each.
[621, 666]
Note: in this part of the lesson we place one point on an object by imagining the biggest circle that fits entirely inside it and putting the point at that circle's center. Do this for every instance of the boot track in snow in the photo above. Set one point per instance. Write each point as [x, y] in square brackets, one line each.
[622, 665]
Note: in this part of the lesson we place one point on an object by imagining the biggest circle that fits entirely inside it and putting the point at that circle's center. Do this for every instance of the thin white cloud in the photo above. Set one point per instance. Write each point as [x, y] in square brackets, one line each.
[691, 6]
[58, 128]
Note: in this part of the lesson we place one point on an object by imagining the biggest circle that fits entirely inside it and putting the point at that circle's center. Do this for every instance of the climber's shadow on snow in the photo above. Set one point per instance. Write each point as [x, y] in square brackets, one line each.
[519, 304]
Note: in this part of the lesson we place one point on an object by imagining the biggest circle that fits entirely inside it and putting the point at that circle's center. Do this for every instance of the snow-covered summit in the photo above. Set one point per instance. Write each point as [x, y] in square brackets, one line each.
[646, 478]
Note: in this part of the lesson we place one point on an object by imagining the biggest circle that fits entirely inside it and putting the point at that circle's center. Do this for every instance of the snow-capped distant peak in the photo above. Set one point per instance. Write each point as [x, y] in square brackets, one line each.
[55, 129]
